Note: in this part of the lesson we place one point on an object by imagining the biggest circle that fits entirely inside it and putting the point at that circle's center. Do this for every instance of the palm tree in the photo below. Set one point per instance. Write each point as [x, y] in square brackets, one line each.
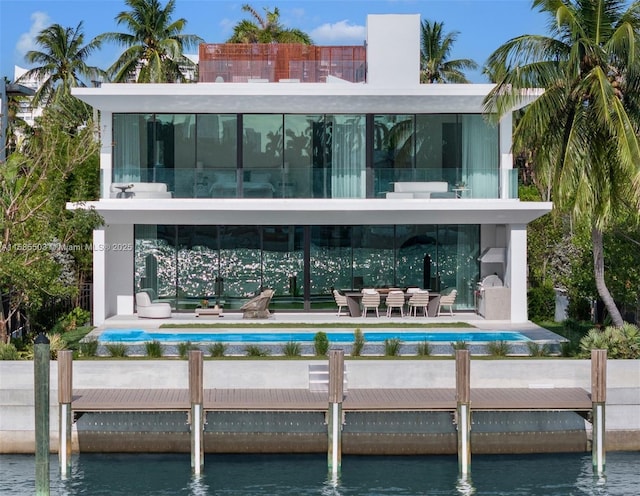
[585, 125]
[435, 48]
[154, 45]
[62, 62]
[267, 30]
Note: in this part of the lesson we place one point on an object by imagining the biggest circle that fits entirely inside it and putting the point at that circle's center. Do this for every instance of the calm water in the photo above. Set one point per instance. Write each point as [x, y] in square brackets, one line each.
[139, 335]
[301, 475]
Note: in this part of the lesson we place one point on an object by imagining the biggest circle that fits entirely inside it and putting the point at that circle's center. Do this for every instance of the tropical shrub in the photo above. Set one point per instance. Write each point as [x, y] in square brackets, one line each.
[217, 349]
[253, 350]
[538, 350]
[459, 345]
[358, 342]
[620, 342]
[392, 346]
[71, 321]
[424, 348]
[117, 350]
[8, 351]
[498, 348]
[89, 348]
[321, 343]
[292, 349]
[154, 349]
[184, 348]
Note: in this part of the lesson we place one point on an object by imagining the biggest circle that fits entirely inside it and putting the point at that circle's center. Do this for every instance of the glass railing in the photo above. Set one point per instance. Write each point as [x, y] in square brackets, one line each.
[317, 182]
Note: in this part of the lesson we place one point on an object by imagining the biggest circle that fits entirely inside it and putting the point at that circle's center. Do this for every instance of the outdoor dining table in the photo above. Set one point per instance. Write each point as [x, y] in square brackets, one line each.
[355, 297]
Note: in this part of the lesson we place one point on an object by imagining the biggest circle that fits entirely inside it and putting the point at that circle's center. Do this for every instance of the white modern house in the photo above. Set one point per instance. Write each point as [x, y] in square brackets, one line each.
[218, 190]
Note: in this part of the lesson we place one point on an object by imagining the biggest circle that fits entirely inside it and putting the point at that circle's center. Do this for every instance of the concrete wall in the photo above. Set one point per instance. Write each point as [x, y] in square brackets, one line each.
[16, 385]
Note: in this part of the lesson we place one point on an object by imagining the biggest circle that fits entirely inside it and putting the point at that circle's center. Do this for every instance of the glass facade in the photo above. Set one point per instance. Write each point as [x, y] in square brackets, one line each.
[307, 155]
[302, 264]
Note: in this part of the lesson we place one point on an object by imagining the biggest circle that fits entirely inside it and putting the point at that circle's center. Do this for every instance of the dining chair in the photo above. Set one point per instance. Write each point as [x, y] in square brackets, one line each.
[395, 299]
[341, 301]
[419, 299]
[370, 299]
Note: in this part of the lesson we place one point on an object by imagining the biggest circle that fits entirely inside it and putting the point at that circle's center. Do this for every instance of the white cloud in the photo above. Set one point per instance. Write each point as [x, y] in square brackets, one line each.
[339, 33]
[27, 41]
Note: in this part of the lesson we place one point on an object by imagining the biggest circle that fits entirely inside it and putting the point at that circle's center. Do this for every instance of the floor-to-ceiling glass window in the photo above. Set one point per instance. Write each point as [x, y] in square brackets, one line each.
[345, 153]
[303, 144]
[330, 260]
[283, 264]
[230, 264]
[130, 142]
[262, 154]
[240, 262]
[198, 262]
[373, 255]
[156, 264]
[417, 256]
[216, 160]
[393, 150]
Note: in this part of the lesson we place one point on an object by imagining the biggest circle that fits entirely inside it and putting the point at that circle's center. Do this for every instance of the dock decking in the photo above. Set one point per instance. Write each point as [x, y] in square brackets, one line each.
[494, 399]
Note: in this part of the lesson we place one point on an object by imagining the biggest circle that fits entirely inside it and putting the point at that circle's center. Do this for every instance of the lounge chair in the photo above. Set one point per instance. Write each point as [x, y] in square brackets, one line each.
[149, 310]
[258, 307]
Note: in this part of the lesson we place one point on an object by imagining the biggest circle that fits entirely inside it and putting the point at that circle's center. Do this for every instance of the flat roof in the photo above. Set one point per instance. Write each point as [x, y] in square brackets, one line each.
[286, 98]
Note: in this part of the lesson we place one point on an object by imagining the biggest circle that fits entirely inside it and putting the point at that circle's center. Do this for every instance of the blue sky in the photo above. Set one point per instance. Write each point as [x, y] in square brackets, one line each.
[483, 25]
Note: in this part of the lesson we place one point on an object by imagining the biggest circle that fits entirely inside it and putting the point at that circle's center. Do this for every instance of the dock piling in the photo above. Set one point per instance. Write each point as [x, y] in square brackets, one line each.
[41, 361]
[334, 424]
[196, 395]
[65, 396]
[598, 398]
[463, 411]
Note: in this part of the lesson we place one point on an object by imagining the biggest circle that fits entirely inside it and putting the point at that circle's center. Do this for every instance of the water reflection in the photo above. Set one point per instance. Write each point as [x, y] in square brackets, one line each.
[464, 486]
[197, 486]
[331, 486]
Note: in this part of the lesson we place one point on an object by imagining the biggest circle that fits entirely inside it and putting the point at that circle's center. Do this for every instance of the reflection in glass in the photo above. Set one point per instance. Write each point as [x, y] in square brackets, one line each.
[240, 261]
[155, 260]
[197, 262]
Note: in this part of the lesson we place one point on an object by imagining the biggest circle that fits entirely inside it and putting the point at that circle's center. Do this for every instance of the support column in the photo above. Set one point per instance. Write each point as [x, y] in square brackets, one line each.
[334, 423]
[598, 398]
[196, 395]
[41, 362]
[65, 396]
[463, 399]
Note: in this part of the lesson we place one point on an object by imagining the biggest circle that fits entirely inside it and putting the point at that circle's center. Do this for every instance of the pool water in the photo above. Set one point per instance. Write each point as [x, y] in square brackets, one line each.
[140, 335]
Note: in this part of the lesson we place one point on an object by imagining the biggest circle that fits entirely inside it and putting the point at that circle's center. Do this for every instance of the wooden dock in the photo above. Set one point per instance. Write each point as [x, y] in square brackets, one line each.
[410, 399]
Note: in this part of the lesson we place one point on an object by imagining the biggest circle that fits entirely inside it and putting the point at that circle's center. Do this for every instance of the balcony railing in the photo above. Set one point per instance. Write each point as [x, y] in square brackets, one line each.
[318, 182]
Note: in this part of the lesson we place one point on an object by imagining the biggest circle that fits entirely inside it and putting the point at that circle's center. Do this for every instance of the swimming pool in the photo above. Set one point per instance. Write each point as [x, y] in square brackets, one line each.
[140, 335]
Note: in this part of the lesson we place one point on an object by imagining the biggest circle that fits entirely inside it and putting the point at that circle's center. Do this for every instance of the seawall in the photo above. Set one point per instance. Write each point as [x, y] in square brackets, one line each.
[622, 407]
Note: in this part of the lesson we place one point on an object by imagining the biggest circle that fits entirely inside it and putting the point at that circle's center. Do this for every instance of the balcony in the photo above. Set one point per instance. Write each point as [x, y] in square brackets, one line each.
[317, 182]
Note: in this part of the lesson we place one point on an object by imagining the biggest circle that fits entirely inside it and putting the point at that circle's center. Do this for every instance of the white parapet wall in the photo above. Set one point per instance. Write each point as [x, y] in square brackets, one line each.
[17, 397]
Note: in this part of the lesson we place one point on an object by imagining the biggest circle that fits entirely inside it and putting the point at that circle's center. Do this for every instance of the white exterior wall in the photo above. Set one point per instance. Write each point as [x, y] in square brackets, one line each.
[506, 155]
[516, 276]
[106, 150]
[113, 267]
[393, 50]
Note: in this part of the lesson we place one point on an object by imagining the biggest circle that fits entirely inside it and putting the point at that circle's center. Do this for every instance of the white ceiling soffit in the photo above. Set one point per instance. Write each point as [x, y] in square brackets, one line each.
[314, 212]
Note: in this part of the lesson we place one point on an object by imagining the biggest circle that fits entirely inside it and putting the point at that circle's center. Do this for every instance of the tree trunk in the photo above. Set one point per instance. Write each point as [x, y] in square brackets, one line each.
[598, 272]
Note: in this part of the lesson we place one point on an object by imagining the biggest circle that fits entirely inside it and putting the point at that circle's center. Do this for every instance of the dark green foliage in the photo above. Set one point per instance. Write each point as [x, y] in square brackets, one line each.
[459, 345]
[88, 348]
[321, 343]
[542, 303]
[538, 350]
[8, 352]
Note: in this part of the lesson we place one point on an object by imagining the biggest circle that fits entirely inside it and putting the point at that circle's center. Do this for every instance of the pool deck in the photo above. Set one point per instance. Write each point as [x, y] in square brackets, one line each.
[235, 321]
